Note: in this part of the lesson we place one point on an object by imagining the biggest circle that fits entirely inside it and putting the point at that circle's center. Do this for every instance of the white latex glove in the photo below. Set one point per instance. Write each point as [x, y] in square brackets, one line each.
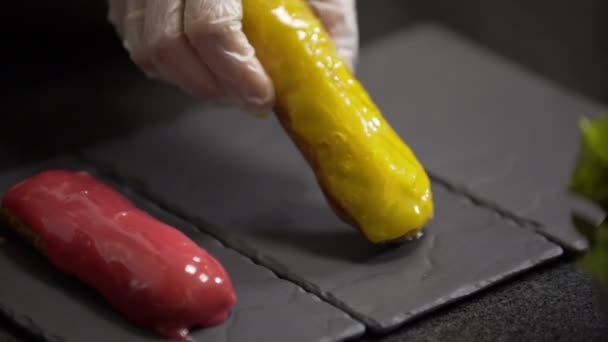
[199, 45]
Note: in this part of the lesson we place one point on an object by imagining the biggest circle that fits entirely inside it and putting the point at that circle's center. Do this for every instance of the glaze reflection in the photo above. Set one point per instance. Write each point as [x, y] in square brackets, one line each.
[145, 269]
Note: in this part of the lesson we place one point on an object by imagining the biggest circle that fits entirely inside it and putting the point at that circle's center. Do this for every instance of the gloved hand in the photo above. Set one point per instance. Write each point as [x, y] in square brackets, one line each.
[199, 46]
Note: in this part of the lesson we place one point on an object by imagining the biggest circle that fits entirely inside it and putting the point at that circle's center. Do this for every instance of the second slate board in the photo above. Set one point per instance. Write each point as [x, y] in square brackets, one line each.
[56, 307]
[483, 124]
[243, 180]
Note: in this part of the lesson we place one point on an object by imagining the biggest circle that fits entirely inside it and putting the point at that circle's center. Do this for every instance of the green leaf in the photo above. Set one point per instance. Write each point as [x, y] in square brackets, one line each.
[590, 181]
[585, 226]
[595, 262]
[590, 178]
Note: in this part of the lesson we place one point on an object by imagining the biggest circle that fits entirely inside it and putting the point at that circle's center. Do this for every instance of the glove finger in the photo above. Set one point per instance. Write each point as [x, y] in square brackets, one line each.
[133, 39]
[116, 15]
[339, 17]
[173, 57]
[214, 29]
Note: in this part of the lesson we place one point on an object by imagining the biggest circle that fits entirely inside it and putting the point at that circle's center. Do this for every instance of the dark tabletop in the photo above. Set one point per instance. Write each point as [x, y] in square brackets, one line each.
[551, 303]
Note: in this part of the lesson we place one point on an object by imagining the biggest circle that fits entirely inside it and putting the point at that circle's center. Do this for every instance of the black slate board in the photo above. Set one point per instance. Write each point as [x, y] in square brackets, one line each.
[245, 182]
[56, 307]
[483, 124]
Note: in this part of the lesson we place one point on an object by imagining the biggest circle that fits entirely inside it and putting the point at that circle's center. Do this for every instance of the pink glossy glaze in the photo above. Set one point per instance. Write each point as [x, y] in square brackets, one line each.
[147, 270]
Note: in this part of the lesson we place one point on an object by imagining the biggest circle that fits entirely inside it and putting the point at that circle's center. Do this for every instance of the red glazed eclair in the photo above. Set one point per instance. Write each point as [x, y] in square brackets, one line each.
[148, 271]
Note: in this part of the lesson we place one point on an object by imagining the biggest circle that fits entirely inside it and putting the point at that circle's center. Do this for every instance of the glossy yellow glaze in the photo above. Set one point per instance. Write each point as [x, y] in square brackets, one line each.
[370, 177]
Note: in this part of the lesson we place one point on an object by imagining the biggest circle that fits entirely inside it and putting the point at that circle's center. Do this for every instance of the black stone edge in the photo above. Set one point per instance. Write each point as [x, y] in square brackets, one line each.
[524, 222]
[284, 273]
[447, 31]
[520, 221]
[477, 288]
[28, 325]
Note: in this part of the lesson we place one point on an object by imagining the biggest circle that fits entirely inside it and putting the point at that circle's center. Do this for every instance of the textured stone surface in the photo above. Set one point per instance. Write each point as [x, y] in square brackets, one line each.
[243, 180]
[482, 123]
[56, 307]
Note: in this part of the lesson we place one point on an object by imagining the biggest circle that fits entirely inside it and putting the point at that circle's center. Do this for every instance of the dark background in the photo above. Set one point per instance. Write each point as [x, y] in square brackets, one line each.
[69, 83]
